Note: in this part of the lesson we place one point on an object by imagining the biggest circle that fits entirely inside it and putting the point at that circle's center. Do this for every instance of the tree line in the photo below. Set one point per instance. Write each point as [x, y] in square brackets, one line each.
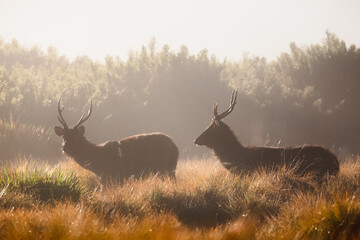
[307, 95]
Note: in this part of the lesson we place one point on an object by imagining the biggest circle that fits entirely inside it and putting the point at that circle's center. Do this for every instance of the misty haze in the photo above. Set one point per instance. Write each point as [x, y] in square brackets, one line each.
[234, 121]
[305, 96]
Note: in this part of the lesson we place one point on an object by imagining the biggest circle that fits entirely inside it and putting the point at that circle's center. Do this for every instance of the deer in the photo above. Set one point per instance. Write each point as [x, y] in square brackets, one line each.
[305, 159]
[134, 156]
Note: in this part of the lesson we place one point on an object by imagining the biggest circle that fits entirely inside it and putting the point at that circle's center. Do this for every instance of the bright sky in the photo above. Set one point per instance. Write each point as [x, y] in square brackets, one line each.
[227, 28]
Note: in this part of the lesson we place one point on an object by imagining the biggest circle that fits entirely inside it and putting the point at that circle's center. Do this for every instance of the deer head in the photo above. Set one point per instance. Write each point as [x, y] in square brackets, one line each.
[72, 136]
[216, 129]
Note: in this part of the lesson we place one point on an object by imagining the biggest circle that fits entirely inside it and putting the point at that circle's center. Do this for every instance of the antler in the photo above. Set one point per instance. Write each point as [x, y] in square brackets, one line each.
[217, 116]
[82, 119]
[60, 117]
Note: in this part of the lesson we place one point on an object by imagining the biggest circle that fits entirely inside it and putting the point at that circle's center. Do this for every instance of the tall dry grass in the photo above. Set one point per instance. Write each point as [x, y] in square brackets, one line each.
[204, 202]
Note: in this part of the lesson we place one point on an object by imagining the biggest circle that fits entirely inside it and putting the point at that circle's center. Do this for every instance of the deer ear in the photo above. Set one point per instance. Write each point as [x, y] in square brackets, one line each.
[59, 131]
[81, 130]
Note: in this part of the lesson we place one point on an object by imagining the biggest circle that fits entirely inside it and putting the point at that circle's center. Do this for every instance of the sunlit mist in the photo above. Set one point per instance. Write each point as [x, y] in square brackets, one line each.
[226, 28]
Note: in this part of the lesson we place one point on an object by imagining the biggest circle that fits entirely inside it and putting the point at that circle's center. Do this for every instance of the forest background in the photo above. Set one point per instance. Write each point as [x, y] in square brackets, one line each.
[307, 95]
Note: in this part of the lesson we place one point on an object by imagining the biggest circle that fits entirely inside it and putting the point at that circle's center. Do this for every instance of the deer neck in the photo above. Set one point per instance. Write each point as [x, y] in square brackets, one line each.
[87, 153]
[229, 150]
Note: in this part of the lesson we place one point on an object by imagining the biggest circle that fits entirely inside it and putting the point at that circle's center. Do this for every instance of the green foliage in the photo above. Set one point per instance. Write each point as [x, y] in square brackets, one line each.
[306, 95]
[135, 93]
[42, 183]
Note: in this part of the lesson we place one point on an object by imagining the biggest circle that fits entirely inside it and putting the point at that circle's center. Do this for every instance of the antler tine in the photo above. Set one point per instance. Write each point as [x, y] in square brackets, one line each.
[229, 110]
[233, 97]
[60, 117]
[82, 119]
[215, 111]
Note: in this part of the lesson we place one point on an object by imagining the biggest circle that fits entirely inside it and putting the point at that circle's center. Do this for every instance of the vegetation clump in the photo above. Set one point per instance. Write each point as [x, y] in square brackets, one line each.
[40, 184]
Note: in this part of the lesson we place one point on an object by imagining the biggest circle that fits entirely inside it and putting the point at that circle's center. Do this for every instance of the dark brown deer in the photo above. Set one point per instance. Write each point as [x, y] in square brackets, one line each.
[132, 156]
[234, 156]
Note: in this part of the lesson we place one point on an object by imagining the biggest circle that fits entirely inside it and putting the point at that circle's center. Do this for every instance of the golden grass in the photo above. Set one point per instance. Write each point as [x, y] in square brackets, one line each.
[69, 221]
[204, 202]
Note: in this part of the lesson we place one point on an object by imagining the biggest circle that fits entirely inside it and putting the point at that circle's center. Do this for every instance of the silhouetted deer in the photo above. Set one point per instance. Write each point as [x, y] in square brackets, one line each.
[306, 158]
[131, 156]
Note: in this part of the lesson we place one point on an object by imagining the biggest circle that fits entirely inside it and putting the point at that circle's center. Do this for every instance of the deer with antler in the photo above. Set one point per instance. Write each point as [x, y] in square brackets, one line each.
[234, 156]
[132, 156]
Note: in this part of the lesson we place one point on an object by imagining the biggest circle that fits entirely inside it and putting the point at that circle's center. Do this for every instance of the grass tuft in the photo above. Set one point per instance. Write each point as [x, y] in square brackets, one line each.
[42, 183]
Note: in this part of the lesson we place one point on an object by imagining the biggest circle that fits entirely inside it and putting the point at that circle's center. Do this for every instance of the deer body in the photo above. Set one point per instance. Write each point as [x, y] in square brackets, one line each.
[132, 156]
[154, 146]
[234, 156]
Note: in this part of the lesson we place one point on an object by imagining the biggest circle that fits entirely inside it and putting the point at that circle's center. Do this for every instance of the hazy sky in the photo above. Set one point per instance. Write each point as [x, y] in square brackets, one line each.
[227, 28]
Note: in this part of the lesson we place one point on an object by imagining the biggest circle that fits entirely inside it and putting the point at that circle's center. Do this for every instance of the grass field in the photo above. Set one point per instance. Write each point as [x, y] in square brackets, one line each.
[61, 200]
[39, 201]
